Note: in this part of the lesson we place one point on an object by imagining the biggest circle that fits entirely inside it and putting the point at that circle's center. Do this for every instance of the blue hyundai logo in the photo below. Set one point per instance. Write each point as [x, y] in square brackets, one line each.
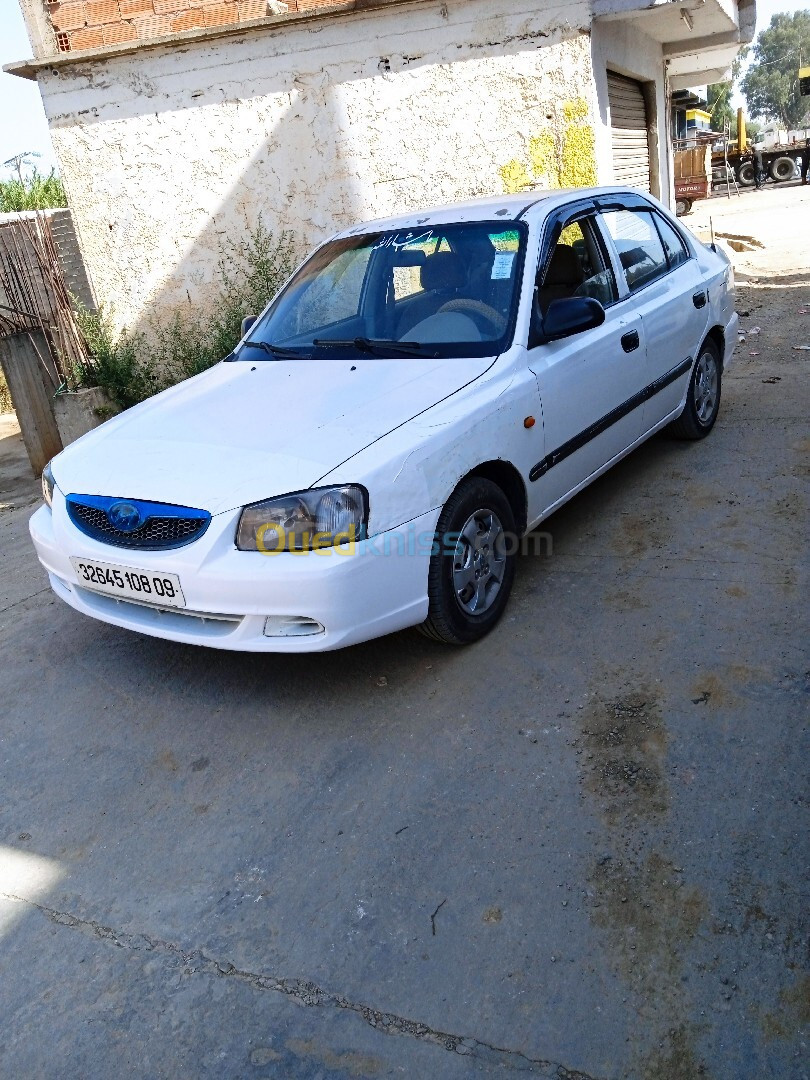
[124, 516]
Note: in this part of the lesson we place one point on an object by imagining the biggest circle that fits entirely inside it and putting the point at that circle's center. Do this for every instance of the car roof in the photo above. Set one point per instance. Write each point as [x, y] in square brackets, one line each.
[493, 207]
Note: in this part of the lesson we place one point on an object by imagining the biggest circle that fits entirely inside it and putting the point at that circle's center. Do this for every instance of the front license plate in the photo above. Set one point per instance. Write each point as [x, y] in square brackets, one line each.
[127, 583]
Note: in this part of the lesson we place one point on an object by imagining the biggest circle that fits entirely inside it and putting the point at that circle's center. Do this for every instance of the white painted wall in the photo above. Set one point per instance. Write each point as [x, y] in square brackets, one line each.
[167, 152]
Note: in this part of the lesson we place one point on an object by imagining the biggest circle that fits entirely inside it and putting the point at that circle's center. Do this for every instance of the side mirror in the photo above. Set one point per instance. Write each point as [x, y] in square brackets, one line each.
[570, 316]
[247, 322]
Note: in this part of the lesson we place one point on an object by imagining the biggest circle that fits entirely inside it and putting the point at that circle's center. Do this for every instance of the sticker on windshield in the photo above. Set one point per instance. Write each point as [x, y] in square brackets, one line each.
[502, 266]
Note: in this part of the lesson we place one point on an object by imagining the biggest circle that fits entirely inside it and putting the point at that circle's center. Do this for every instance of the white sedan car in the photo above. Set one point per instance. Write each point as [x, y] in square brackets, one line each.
[421, 393]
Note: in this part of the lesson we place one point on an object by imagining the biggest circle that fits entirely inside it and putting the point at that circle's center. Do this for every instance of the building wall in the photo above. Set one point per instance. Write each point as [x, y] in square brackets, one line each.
[170, 153]
[624, 48]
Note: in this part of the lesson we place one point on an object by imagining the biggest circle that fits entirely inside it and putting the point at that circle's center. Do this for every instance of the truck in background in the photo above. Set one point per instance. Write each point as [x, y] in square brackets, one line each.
[781, 150]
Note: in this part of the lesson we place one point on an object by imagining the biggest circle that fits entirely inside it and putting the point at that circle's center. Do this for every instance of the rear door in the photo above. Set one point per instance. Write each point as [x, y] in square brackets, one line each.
[589, 383]
[665, 287]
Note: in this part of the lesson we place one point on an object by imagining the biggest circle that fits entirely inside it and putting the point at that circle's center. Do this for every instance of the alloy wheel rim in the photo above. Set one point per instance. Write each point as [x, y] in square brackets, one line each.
[705, 392]
[479, 562]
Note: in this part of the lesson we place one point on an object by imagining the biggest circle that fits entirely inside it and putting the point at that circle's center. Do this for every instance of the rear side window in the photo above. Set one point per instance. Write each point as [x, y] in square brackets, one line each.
[639, 246]
[673, 245]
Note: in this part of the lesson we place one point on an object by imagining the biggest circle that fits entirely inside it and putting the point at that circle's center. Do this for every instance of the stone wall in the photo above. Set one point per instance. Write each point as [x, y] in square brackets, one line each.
[170, 154]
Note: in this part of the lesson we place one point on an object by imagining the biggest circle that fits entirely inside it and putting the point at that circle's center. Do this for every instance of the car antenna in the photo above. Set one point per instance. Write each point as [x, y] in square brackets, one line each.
[711, 231]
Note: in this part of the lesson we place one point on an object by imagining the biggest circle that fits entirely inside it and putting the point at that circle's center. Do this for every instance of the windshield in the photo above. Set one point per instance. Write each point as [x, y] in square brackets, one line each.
[443, 291]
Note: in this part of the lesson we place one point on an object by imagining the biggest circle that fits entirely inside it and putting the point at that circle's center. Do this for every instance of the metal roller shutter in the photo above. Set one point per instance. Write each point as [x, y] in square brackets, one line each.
[628, 129]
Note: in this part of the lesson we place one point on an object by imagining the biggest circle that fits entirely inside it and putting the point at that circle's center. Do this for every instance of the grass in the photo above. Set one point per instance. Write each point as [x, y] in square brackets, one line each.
[33, 192]
[132, 367]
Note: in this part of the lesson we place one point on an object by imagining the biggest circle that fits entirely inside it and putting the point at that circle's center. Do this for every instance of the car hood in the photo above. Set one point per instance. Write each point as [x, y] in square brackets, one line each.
[242, 432]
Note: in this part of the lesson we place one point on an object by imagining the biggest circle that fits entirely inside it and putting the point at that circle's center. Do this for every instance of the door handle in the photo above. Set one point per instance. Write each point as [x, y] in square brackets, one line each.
[699, 299]
[630, 341]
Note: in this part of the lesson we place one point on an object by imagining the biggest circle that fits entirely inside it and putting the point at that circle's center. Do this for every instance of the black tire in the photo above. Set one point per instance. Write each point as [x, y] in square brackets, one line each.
[700, 413]
[782, 169]
[746, 174]
[682, 207]
[475, 502]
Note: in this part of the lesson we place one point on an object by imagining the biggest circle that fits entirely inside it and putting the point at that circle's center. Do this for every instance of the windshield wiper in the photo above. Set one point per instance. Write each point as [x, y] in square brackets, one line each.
[274, 350]
[372, 345]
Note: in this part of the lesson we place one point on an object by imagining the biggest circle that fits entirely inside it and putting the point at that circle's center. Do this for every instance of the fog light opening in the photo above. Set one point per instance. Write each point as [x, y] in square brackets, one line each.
[291, 626]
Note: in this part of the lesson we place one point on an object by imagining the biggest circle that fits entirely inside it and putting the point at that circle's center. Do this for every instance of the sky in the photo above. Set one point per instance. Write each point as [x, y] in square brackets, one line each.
[22, 119]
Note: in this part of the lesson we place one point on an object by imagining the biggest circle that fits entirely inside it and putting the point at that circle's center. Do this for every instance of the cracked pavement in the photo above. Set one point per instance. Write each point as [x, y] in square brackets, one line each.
[233, 866]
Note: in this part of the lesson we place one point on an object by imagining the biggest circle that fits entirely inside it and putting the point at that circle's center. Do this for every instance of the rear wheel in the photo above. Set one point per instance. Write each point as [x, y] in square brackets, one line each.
[702, 398]
[473, 564]
[682, 206]
[782, 169]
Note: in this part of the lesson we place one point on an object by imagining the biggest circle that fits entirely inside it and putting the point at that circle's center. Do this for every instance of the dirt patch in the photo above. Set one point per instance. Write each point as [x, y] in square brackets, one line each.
[650, 916]
[714, 690]
[350, 1063]
[624, 600]
[621, 753]
[636, 535]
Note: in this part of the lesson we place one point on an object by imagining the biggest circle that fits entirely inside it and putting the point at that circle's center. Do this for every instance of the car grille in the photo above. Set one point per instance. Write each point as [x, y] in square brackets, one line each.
[163, 526]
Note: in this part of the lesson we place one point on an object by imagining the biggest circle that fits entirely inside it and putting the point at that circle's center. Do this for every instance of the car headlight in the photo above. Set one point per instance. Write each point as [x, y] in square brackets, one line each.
[47, 485]
[305, 520]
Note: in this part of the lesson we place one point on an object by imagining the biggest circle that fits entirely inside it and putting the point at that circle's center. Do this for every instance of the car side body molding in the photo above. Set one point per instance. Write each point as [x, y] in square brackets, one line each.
[585, 436]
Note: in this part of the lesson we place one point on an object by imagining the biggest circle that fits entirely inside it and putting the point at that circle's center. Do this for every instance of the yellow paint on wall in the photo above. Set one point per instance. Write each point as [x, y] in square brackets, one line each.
[542, 154]
[514, 176]
[564, 156]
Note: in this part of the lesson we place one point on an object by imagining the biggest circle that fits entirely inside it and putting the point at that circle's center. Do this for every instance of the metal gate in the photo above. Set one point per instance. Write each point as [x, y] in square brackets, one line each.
[628, 129]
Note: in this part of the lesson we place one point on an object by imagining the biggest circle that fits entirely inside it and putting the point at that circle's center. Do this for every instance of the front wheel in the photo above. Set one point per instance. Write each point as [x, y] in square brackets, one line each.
[473, 563]
[746, 174]
[702, 398]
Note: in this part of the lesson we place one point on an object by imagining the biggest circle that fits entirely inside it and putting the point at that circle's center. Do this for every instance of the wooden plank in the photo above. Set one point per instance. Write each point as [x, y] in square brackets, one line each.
[31, 395]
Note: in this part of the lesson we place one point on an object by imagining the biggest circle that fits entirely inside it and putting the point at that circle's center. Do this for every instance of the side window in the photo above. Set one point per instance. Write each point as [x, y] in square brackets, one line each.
[577, 267]
[638, 244]
[673, 245]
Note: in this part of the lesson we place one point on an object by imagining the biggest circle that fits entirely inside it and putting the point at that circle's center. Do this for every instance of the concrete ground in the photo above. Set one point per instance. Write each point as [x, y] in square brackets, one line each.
[575, 850]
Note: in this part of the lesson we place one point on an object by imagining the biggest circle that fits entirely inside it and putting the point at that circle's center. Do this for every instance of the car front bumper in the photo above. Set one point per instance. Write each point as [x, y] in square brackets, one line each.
[230, 595]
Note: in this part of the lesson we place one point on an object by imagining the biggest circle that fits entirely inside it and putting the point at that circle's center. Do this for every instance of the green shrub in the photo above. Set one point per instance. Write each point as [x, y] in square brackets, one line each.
[132, 367]
[5, 396]
[33, 192]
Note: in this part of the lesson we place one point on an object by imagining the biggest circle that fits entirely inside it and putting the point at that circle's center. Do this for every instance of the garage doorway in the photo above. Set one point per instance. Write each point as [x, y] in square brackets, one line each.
[629, 132]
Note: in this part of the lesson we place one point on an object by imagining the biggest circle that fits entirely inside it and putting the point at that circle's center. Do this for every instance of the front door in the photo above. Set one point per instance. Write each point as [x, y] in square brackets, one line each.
[589, 383]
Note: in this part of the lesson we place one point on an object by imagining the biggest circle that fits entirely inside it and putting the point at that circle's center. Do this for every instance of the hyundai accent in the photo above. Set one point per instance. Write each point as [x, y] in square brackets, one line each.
[422, 392]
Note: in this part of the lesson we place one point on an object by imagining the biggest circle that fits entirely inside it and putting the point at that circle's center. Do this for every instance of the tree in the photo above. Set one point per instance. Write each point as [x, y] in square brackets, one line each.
[718, 96]
[771, 86]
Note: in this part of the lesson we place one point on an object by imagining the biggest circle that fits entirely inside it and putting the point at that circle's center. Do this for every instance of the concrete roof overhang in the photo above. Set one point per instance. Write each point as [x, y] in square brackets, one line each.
[699, 38]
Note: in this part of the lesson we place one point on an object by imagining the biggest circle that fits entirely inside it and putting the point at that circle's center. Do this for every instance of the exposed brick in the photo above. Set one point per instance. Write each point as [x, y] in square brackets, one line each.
[68, 16]
[170, 7]
[131, 8]
[252, 9]
[220, 14]
[118, 33]
[63, 42]
[102, 11]
[153, 26]
[307, 5]
[91, 37]
[188, 20]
